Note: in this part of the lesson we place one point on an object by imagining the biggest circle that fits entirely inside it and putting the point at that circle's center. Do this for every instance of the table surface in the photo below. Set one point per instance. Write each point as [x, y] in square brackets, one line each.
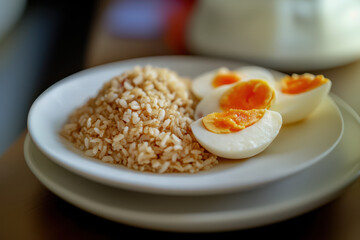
[29, 211]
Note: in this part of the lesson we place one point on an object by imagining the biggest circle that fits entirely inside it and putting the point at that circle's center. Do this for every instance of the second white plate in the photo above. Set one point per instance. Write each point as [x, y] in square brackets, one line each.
[297, 146]
[271, 203]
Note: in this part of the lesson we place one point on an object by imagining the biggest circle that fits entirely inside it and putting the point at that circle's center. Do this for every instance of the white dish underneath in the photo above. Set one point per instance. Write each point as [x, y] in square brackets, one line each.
[278, 201]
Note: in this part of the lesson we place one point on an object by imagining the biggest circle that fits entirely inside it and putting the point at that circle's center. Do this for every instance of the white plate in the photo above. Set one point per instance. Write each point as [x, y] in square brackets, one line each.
[272, 203]
[297, 146]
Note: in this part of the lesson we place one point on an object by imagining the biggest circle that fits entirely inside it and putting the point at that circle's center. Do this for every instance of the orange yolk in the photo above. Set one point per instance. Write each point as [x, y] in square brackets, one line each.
[301, 83]
[253, 94]
[225, 78]
[233, 120]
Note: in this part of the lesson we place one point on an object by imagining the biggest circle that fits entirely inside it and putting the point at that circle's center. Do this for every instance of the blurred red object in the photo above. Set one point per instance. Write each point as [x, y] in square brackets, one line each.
[175, 33]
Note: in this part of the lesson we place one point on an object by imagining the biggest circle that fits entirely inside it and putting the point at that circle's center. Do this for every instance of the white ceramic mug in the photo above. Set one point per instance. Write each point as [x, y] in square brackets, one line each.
[282, 34]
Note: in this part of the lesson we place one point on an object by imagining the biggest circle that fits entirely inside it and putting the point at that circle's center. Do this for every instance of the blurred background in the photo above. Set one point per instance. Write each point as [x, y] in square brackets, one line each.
[41, 42]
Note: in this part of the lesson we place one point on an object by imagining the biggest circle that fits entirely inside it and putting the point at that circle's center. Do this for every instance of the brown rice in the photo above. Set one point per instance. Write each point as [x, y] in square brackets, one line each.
[141, 119]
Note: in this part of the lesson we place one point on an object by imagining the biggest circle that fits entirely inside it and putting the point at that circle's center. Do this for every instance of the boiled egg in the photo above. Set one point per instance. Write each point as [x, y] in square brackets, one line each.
[237, 134]
[244, 95]
[208, 81]
[297, 96]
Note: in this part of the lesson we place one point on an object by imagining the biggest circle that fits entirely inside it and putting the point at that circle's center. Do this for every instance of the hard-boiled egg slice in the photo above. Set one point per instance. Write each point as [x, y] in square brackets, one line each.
[299, 95]
[206, 82]
[245, 95]
[237, 134]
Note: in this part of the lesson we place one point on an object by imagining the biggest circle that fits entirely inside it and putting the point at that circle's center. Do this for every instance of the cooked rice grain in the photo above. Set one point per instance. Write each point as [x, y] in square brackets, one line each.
[141, 119]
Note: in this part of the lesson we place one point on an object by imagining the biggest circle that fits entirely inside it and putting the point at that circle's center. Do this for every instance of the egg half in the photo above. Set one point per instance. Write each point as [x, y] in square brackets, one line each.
[209, 81]
[237, 134]
[297, 96]
[245, 95]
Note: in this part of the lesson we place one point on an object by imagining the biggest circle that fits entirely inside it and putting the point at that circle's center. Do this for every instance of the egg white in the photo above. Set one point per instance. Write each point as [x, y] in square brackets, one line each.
[211, 102]
[254, 72]
[242, 144]
[296, 107]
[202, 84]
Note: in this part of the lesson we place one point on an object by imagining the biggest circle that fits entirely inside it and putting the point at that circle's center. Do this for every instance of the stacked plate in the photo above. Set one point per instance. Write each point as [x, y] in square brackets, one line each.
[307, 165]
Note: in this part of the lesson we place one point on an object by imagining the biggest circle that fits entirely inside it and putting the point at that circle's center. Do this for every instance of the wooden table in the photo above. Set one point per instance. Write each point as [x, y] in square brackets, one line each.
[29, 211]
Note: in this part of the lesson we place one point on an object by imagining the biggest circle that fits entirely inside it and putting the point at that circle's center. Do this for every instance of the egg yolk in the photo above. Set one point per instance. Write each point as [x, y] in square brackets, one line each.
[296, 84]
[225, 78]
[231, 121]
[253, 94]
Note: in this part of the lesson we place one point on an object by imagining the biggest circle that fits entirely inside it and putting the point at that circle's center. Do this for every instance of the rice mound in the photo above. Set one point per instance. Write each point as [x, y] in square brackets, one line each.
[141, 119]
